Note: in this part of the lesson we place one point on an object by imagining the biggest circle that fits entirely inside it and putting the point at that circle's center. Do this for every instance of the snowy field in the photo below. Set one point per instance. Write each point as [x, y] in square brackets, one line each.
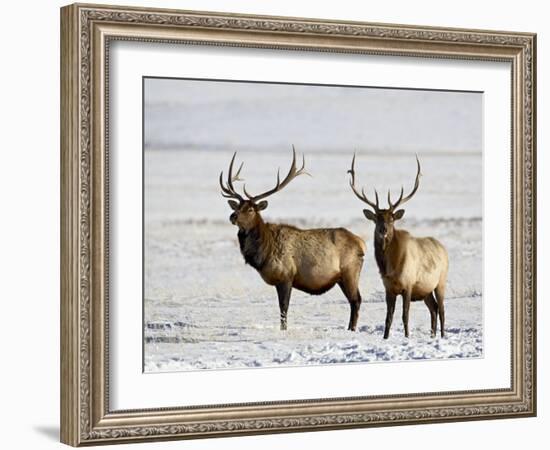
[205, 309]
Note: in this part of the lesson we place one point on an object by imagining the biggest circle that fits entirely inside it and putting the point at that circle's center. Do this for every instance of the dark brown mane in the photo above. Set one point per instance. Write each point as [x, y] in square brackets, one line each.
[380, 256]
[256, 244]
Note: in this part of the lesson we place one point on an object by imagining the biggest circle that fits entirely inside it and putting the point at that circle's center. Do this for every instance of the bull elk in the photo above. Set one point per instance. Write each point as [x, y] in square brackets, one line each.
[415, 268]
[286, 257]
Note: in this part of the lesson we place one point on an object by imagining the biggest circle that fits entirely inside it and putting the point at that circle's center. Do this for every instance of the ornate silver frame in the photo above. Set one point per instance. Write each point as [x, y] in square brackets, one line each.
[86, 31]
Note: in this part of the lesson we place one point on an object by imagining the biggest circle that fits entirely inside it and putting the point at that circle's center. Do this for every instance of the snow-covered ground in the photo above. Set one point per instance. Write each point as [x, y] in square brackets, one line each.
[204, 309]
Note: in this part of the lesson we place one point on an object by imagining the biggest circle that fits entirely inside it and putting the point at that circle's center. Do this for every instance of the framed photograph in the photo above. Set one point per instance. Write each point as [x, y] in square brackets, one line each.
[276, 224]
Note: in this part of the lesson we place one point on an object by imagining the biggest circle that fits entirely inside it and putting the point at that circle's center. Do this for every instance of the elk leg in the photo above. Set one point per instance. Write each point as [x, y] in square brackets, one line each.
[406, 305]
[440, 296]
[351, 291]
[432, 306]
[354, 314]
[283, 291]
[390, 308]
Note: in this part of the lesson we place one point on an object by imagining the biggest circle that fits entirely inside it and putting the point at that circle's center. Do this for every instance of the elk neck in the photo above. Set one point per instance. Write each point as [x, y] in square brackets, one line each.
[389, 255]
[381, 253]
[255, 244]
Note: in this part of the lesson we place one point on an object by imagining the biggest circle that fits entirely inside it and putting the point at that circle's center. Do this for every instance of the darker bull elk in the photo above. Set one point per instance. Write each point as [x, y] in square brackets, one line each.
[287, 257]
[415, 268]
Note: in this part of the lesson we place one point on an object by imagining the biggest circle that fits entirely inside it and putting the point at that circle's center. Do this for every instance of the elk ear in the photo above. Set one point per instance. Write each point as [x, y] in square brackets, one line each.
[233, 204]
[369, 215]
[398, 214]
[262, 205]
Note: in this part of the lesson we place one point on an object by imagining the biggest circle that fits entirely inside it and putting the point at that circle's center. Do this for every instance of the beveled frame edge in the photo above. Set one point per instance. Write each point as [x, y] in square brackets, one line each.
[85, 34]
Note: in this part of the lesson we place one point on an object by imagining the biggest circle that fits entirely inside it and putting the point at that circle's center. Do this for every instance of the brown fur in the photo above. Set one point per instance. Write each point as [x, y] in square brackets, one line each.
[312, 261]
[285, 256]
[415, 268]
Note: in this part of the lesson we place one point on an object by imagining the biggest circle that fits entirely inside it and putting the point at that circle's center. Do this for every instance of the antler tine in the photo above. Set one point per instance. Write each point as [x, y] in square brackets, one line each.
[302, 170]
[392, 206]
[293, 165]
[236, 176]
[230, 176]
[402, 200]
[225, 192]
[229, 190]
[246, 193]
[361, 196]
[292, 173]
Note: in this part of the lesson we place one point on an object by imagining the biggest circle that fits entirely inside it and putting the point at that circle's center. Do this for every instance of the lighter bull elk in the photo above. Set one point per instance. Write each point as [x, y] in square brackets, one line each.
[287, 257]
[415, 268]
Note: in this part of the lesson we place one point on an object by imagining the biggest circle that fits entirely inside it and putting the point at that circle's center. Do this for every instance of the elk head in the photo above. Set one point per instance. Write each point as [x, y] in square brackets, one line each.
[383, 218]
[246, 211]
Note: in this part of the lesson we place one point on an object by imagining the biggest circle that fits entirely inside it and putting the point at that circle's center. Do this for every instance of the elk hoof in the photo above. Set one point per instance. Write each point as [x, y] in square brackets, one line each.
[432, 334]
[283, 327]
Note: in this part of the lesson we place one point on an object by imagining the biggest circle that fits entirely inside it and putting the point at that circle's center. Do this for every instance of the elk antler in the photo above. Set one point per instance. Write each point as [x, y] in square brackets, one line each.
[292, 173]
[229, 191]
[361, 196]
[402, 200]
